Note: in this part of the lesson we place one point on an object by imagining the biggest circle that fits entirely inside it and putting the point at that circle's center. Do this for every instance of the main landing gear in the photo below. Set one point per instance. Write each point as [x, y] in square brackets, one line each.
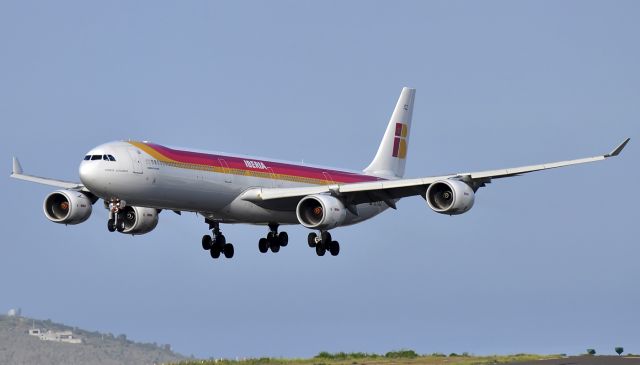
[217, 244]
[323, 243]
[274, 240]
[116, 217]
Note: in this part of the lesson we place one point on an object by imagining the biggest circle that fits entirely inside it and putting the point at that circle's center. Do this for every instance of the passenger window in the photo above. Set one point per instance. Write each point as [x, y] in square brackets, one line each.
[104, 157]
[87, 157]
[96, 157]
[111, 158]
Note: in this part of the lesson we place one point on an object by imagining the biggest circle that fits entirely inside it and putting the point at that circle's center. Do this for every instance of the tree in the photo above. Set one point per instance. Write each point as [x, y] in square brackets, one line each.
[591, 351]
[619, 350]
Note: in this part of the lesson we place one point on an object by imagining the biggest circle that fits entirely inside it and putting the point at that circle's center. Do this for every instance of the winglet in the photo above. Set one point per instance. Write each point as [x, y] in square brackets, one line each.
[17, 168]
[618, 149]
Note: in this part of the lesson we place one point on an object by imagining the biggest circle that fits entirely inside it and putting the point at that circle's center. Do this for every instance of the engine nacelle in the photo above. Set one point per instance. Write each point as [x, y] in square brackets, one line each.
[450, 197]
[321, 212]
[138, 220]
[67, 207]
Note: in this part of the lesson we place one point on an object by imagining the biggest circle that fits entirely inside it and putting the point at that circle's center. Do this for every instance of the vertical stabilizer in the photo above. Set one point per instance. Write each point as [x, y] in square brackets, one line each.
[392, 153]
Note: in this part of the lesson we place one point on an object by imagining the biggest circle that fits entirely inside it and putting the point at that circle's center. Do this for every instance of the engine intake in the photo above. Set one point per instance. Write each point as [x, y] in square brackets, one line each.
[67, 207]
[138, 220]
[450, 197]
[321, 212]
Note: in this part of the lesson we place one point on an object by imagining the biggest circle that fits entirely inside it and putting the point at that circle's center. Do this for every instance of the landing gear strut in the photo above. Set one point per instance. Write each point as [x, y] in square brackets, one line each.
[274, 240]
[323, 243]
[116, 217]
[217, 244]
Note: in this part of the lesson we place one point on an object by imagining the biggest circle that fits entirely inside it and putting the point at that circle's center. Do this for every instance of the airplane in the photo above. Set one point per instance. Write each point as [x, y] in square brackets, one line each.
[136, 180]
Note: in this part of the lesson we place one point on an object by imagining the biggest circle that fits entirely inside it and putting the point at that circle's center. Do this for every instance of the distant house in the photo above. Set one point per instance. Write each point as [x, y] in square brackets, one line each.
[62, 336]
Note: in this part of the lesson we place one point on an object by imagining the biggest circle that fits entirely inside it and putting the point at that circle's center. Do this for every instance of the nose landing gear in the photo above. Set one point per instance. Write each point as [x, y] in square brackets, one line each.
[116, 217]
[217, 244]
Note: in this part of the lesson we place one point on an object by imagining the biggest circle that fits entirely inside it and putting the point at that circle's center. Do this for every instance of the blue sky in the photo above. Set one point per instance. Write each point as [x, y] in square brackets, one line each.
[543, 263]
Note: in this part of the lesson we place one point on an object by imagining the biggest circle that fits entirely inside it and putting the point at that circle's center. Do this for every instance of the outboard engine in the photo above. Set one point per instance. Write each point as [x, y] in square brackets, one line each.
[450, 197]
[67, 207]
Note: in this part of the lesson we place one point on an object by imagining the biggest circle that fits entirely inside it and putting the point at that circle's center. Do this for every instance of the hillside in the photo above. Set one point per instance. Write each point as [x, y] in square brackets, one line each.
[18, 347]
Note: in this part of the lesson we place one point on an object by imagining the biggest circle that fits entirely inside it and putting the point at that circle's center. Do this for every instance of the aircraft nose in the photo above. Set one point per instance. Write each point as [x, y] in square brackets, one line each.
[89, 175]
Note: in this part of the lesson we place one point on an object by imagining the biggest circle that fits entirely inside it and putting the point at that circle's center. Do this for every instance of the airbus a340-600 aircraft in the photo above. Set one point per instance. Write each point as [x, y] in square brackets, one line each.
[137, 180]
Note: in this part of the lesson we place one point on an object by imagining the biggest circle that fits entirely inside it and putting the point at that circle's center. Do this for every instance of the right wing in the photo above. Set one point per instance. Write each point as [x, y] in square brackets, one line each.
[389, 190]
[17, 173]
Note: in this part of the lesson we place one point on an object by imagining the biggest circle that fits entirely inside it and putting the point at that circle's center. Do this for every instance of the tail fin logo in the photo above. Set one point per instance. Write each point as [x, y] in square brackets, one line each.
[400, 141]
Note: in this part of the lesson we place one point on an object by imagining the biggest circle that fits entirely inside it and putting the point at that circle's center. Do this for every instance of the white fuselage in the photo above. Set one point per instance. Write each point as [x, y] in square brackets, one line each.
[155, 176]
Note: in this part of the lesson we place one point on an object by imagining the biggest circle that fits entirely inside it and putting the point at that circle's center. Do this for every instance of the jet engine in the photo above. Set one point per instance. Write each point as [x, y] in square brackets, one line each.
[138, 220]
[321, 212]
[67, 207]
[450, 197]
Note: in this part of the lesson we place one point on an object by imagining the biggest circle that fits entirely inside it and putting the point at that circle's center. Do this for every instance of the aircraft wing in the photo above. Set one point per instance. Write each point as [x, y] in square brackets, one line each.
[389, 190]
[17, 173]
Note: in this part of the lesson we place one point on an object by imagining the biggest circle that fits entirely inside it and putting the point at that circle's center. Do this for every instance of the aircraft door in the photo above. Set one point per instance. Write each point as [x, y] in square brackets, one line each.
[275, 183]
[228, 177]
[328, 178]
[136, 160]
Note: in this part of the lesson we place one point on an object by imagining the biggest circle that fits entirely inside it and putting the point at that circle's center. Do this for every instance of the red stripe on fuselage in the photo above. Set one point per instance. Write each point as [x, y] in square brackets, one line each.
[238, 163]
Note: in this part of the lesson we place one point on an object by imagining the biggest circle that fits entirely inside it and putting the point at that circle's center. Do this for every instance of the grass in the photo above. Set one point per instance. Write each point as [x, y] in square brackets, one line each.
[401, 357]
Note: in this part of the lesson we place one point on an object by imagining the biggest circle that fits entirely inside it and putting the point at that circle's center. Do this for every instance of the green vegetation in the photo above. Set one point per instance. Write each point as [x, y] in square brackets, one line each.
[591, 351]
[403, 357]
[401, 354]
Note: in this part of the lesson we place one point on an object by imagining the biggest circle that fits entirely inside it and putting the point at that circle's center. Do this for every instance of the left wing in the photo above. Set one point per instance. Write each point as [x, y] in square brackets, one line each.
[17, 173]
[389, 190]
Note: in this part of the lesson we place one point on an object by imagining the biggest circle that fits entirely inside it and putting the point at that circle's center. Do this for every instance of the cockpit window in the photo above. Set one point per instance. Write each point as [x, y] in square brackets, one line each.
[99, 157]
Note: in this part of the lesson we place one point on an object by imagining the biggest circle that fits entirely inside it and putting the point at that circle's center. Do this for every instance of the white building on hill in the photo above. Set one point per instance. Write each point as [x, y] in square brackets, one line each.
[62, 336]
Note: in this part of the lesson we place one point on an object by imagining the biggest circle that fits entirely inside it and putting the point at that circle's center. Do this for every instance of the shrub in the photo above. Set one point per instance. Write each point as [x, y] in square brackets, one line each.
[404, 354]
[438, 354]
[324, 355]
[591, 351]
[453, 354]
[344, 355]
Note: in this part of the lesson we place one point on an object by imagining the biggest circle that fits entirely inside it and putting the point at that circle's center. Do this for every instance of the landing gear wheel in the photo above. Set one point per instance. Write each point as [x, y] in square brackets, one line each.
[215, 251]
[206, 242]
[326, 237]
[220, 239]
[111, 225]
[311, 239]
[283, 239]
[263, 245]
[275, 246]
[334, 248]
[228, 250]
[320, 250]
[120, 225]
